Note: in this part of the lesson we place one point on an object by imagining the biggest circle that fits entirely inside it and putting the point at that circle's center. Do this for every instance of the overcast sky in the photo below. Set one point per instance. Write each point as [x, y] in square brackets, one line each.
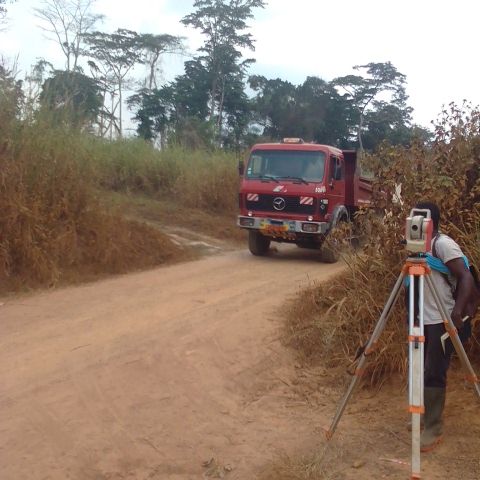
[433, 42]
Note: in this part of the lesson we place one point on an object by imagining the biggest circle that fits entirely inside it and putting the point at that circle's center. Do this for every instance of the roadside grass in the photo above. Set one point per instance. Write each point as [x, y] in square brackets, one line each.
[329, 323]
[168, 213]
[56, 226]
[198, 179]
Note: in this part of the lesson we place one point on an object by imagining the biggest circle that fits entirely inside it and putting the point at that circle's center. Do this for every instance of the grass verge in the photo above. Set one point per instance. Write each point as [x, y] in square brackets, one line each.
[329, 323]
[166, 213]
[53, 228]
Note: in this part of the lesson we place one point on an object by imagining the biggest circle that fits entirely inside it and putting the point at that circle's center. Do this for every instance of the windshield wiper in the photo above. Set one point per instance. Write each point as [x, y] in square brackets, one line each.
[268, 177]
[300, 179]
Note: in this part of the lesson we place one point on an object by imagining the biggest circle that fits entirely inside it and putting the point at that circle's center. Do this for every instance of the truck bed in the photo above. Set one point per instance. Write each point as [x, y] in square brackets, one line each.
[358, 190]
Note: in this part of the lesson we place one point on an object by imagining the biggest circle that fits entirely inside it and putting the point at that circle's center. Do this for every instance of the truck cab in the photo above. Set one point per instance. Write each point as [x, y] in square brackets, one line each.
[296, 192]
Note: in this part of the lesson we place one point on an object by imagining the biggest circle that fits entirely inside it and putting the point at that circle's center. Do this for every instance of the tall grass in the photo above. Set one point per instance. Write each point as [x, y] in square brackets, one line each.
[330, 322]
[195, 178]
[51, 180]
[51, 225]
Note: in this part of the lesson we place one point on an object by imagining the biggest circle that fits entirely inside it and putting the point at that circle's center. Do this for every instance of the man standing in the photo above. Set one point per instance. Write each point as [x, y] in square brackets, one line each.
[457, 290]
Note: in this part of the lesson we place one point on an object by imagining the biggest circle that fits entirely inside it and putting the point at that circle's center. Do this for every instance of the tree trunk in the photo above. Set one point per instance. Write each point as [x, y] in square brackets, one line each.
[360, 127]
[153, 62]
[120, 99]
[111, 119]
[220, 110]
[213, 94]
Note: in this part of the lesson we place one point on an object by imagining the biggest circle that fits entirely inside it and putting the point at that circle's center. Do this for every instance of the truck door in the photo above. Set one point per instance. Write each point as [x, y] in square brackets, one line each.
[336, 182]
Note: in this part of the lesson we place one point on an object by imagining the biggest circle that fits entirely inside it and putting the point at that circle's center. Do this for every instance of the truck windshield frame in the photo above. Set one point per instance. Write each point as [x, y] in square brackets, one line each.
[294, 165]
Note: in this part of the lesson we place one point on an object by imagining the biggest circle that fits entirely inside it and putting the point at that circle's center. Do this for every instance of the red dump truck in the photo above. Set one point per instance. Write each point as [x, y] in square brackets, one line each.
[297, 192]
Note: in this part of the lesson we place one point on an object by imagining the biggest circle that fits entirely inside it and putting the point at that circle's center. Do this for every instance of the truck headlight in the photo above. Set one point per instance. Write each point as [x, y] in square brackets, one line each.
[247, 222]
[310, 227]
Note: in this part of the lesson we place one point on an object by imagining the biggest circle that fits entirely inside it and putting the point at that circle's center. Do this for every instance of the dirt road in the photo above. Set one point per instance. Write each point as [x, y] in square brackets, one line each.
[178, 373]
[147, 376]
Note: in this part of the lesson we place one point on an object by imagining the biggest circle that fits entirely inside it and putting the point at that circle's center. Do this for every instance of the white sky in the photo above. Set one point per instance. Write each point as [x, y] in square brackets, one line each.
[433, 42]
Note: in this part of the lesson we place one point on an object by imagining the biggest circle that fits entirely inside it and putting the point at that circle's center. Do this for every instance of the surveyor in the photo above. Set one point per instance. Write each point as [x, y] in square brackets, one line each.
[457, 289]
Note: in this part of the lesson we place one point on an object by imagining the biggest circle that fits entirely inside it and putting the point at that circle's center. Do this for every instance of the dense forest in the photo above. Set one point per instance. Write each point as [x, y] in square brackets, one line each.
[214, 103]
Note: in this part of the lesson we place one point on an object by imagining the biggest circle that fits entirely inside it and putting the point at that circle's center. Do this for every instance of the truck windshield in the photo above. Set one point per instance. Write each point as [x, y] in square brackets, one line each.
[286, 164]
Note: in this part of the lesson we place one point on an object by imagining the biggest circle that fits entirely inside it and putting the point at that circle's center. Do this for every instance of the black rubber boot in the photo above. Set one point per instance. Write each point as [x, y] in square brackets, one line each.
[434, 405]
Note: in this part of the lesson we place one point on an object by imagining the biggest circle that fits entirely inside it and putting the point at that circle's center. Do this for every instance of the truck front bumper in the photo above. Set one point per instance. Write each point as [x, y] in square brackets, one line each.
[277, 227]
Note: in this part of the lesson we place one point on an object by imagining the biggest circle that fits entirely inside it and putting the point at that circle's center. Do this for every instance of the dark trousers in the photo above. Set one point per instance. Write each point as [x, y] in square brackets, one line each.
[436, 360]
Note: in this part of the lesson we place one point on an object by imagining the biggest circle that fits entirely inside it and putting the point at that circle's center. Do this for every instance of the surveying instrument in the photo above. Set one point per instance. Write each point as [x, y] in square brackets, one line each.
[419, 229]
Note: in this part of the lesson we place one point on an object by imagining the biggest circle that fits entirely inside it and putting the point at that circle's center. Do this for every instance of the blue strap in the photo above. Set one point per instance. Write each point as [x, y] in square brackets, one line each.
[436, 264]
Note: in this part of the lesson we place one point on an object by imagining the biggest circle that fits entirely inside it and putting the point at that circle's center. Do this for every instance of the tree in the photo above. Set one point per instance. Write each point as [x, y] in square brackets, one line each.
[11, 95]
[154, 108]
[182, 104]
[105, 79]
[321, 113]
[223, 24]
[273, 105]
[115, 55]
[191, 91]
[66, 22]
[173, 107]
[154, 46]
[362, 91]
[33, 86]
[238, 113]
[313, 111]
[72, 98]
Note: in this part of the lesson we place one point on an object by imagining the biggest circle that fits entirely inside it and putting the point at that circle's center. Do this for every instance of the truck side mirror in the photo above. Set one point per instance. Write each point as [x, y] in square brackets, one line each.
[241, 167]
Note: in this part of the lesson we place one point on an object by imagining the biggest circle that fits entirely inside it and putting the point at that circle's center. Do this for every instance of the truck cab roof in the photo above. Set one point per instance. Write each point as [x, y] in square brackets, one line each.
[297, 147]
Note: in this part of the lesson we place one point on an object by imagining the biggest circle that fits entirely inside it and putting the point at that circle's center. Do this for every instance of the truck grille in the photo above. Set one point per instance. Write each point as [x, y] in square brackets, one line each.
[292, 205]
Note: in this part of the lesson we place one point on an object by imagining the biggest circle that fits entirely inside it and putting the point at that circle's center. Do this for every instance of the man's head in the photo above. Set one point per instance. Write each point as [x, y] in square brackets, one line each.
[434, 210]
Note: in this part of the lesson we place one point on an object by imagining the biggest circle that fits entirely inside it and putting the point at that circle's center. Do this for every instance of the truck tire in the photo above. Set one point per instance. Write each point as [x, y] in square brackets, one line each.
[258, 244]
[329, 252]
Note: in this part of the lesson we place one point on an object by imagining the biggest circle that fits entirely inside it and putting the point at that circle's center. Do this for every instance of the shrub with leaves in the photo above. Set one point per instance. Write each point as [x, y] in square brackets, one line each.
[332, 321]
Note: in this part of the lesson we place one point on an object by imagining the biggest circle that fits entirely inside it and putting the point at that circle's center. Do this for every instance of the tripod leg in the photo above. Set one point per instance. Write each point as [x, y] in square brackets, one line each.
[416, 341]
[368, 349]
[451, 329]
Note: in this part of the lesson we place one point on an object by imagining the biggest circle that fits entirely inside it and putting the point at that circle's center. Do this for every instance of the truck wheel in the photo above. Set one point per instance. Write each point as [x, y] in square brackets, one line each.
[330, 250]
[258, 244]
[329, 254]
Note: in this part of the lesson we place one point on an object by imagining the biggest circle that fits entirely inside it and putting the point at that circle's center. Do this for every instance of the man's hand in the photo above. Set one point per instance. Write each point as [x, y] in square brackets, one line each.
[465, 288]
[457, 318]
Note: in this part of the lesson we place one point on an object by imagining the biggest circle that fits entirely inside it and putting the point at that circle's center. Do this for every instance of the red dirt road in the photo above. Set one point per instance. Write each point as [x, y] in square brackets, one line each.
[148, 375]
